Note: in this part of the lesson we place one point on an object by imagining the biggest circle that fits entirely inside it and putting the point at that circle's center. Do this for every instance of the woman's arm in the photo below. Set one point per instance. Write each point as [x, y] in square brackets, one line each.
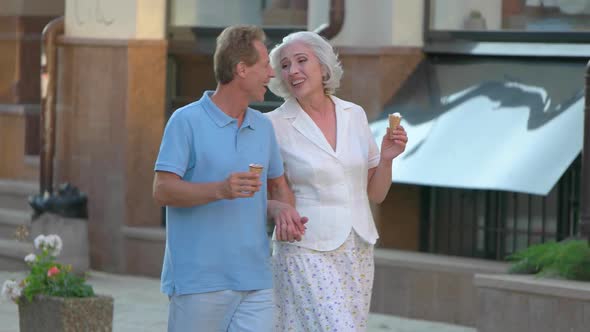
[379, 178]
[379, 181]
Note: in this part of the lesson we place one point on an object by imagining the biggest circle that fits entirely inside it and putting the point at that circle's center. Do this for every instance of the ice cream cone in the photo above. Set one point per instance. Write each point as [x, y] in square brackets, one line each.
[394, 120]
[256, 168]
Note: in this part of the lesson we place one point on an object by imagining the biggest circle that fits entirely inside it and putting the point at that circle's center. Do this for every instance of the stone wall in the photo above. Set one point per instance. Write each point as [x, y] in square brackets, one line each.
[516, 303]
[427, 286]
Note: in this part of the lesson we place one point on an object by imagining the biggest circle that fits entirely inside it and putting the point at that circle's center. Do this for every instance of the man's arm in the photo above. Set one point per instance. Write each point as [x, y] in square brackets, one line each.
[278, 190]
[170, 190]
[290, 226]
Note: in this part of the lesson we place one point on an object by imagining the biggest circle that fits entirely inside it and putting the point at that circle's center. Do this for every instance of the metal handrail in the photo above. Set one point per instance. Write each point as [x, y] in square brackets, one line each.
[50, 33]
[334, 26]
[585, 185]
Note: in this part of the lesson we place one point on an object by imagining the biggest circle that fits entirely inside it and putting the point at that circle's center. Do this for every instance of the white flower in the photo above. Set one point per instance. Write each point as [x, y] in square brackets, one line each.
[11, 290]
[54, 244]
[51, 243]
[7, 287]
[30, 258]
[40, 241]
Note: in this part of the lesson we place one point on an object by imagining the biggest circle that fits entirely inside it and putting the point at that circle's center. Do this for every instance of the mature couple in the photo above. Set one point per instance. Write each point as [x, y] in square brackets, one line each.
[321, 167]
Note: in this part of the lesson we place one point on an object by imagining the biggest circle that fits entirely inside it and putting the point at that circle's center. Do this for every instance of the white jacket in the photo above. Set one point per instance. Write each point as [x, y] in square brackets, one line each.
[330, 186]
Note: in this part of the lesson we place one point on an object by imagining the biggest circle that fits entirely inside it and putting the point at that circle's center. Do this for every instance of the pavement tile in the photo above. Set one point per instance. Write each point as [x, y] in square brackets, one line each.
[140, 307]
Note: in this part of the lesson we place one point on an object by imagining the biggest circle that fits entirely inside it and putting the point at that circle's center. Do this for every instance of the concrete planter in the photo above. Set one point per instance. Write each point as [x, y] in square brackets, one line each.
[511, 303]
[58, 314]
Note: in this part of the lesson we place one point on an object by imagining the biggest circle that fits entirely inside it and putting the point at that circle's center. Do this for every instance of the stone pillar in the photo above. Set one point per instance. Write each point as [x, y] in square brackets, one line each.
[111, 104]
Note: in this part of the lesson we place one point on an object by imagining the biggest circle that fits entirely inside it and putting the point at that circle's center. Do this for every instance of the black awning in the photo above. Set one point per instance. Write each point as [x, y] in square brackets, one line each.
[499, 123]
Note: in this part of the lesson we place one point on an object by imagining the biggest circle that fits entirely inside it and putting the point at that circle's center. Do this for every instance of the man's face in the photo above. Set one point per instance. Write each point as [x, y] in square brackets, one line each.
[259, 74]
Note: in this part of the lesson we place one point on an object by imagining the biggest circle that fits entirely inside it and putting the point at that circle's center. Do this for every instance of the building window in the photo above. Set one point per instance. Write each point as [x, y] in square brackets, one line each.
[530, 20]
[222, 13]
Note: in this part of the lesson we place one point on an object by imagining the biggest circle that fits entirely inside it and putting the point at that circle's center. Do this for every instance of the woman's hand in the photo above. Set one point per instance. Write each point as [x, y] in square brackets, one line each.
[393, 143]
[289, 225]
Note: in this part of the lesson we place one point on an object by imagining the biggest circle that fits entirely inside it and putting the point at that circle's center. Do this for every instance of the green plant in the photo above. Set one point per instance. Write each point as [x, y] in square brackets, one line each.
[567, 259]
[46, 276]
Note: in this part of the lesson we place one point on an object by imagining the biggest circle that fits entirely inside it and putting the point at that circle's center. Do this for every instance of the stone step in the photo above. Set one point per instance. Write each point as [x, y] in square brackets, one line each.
[14, 194]
[10, 219]
[12, 255]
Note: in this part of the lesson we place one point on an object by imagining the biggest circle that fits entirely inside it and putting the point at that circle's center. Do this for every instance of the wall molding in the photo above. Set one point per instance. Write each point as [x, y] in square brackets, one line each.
[100, 42]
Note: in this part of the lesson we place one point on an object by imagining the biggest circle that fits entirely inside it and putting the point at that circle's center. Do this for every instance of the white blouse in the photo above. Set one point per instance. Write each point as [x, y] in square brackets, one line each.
[330, 186]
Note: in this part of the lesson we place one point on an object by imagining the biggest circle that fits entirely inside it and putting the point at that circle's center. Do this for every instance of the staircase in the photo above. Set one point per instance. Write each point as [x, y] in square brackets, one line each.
[15, 214]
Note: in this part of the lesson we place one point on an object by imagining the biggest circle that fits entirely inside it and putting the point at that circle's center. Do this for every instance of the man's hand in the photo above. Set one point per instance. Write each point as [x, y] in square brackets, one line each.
[240, 185]
[289, 225]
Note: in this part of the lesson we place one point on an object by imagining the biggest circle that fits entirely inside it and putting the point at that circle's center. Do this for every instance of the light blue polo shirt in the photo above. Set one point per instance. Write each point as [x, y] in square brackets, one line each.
[221, 245]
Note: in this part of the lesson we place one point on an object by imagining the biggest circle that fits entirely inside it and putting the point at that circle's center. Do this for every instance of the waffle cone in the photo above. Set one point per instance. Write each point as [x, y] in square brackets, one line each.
[394, 121]
[256, 168]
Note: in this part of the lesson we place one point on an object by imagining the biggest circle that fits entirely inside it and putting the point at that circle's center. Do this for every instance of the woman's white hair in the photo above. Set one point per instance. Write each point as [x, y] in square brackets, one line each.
[331, 67]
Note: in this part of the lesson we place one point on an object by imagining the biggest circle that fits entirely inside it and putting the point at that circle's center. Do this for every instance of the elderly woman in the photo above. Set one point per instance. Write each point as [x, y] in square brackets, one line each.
[334, 168]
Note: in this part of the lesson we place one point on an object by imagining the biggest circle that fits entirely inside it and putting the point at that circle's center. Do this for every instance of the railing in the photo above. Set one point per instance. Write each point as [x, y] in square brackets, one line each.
[336, 21]
[50, 33]
[494, 224]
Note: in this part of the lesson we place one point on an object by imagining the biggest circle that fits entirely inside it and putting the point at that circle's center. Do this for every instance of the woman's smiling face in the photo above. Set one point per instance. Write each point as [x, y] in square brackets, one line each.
[301, 70]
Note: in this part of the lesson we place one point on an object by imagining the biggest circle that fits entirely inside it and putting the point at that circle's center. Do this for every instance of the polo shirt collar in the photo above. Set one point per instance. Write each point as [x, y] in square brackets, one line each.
[249, 121]
[220, 118]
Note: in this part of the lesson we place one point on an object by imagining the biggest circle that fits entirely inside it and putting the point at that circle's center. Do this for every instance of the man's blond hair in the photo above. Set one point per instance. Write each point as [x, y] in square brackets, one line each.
[235, 44]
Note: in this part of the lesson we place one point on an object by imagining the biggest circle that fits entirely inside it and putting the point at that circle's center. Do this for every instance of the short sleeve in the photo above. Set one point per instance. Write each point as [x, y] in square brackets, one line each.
[176, 147]
[275, 164]
[374, 155]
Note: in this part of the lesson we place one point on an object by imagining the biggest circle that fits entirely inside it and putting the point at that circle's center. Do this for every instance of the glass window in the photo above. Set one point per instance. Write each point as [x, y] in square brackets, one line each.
[285, 13]
[222, 13]
[569, 16]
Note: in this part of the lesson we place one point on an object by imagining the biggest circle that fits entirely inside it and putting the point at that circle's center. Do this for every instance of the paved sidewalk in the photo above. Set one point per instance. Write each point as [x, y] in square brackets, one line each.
[139, 306]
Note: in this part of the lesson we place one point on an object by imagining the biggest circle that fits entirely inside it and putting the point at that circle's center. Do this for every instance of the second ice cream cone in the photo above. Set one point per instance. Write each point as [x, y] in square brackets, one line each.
[394, 121]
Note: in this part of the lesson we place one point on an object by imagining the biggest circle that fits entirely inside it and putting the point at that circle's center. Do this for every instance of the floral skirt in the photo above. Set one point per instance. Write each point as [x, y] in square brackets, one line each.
[323, 290]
